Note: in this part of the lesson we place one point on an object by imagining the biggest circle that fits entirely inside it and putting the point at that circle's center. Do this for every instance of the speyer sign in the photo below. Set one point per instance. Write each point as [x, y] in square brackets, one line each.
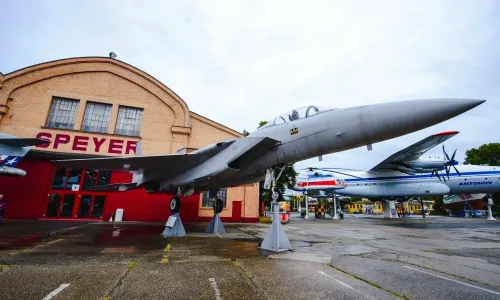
[87, 143]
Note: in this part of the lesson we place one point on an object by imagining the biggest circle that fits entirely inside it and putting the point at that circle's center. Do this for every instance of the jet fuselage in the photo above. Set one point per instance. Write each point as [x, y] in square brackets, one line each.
[473, 179]
[319, 134]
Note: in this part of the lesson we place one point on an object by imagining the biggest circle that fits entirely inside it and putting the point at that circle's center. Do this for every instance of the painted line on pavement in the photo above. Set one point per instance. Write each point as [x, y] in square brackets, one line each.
[164, 260]
[56, 291]
[336, 280]
[453, 280]
[213, 283]
[63, 230]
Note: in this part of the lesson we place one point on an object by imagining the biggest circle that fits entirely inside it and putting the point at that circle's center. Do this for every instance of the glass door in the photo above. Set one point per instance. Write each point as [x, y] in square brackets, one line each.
[69, 195]
[84, 207]
[67, 206]
[53, 207]
[98, 206]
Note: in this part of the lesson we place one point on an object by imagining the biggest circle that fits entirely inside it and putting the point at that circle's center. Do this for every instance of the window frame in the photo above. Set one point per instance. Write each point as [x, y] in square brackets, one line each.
[207, 203]
[106, 106]
[137, 131]
[52, 112]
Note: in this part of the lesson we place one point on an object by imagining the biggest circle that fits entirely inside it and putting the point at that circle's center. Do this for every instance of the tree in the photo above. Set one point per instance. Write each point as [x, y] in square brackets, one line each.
[286, 180]
[245, 133]
[486, 154]
[262, 123]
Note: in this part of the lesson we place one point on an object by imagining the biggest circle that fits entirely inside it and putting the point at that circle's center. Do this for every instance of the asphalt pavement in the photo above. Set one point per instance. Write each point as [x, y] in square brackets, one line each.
[359, 257]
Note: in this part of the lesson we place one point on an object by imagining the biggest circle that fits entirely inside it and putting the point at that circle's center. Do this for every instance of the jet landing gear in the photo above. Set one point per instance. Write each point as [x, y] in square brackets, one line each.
[216, 226]
[276, 239]
[174, 225]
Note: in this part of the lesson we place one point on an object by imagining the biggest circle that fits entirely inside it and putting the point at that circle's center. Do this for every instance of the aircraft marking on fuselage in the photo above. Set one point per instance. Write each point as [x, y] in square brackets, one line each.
[316, 183]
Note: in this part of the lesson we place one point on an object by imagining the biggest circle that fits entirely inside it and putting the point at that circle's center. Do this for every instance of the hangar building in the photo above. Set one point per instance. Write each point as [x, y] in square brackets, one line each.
[98, 106]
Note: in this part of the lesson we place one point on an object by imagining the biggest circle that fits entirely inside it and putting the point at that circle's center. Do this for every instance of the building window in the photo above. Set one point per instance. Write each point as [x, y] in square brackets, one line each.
[206, 202]
[62, 113]
[96, 117]
[129, 121]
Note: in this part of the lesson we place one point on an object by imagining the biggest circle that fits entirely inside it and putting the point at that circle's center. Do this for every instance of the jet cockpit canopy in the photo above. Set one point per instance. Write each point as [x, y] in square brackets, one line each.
[294, 114]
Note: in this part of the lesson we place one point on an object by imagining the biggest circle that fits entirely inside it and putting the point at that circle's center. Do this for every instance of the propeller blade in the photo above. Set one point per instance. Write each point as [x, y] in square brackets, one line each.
[342, 169]
[327, 170]
[350, 175]
[445, 154]
[448, 172]
[453, 156]
[439, 177]
[457, 171]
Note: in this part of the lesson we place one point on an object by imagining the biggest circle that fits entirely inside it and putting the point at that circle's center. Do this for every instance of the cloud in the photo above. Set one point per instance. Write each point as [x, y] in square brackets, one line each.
[240, 62]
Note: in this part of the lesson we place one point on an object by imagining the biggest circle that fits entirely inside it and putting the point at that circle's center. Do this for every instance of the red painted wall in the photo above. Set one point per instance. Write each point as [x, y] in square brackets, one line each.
[26, 197]
[140, 206]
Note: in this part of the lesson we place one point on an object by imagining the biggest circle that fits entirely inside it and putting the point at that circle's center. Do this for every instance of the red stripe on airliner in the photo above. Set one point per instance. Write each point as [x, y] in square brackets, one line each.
[315, 183]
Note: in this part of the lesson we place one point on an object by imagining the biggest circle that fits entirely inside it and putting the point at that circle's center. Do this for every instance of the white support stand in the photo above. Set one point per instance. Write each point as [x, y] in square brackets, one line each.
[389, 206]
[276, 239]
[307, 206]
[335, 214]
[174, 226]
[216, 225]
[490, 214]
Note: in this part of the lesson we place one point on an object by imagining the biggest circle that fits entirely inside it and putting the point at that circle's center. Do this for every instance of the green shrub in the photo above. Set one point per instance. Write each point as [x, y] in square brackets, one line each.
[264, 219]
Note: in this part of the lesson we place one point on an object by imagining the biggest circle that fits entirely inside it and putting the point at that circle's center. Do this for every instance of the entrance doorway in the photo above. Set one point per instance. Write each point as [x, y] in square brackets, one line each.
[69, 197]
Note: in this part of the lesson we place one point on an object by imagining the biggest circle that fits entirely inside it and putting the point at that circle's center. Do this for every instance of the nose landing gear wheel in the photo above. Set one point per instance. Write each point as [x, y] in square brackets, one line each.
[175, 204]
[218, 206]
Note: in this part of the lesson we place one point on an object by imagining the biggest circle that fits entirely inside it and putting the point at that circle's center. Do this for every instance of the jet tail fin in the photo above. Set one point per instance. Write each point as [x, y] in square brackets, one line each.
[13, 149]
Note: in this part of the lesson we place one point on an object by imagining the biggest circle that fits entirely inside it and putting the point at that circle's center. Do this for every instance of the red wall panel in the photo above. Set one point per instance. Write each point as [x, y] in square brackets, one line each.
[26, 197]
[141, 206]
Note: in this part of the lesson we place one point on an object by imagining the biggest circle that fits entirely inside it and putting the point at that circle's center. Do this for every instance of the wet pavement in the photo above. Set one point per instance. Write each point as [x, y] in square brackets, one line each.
[356, 258]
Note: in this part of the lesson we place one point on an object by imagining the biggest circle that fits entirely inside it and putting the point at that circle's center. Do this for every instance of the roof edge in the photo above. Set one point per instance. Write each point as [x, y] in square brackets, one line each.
[212, 122]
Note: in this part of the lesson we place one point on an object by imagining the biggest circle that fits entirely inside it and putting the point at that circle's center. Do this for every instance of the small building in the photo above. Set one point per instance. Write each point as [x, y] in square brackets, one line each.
[364, 206]
[98, 107]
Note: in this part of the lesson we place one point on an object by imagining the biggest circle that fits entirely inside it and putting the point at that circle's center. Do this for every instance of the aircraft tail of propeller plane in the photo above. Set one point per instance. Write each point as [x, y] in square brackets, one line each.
[12, 151]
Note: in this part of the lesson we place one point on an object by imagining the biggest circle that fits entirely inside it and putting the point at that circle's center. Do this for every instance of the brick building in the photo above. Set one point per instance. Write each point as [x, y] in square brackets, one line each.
[97, 106]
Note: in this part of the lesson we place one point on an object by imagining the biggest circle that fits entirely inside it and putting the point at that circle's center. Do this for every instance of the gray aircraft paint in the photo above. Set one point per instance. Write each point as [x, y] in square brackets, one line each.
[322, 133]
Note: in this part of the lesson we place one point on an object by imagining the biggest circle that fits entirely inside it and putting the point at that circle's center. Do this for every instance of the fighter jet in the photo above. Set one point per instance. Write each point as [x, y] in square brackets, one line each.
[12, 150]
[300, 134]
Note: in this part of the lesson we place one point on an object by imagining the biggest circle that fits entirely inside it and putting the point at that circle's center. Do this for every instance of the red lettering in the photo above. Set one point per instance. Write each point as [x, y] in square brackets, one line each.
[43, 136]
[115, 146]
[131, 146]
[61, 139]
[98, 143]
[80, 143]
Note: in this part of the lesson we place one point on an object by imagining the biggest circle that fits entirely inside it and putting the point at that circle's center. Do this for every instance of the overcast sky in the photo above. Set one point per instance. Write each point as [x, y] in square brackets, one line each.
[240, 62]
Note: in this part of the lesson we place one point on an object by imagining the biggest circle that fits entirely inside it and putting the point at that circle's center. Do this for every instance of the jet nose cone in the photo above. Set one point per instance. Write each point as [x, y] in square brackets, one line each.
[390, 120]
[451, 107]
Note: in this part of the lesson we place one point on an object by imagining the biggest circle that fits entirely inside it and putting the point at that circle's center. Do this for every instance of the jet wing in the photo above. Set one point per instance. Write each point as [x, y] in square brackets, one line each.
[173, 164]
[18, 142]
[169, 164]
[414, 151]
